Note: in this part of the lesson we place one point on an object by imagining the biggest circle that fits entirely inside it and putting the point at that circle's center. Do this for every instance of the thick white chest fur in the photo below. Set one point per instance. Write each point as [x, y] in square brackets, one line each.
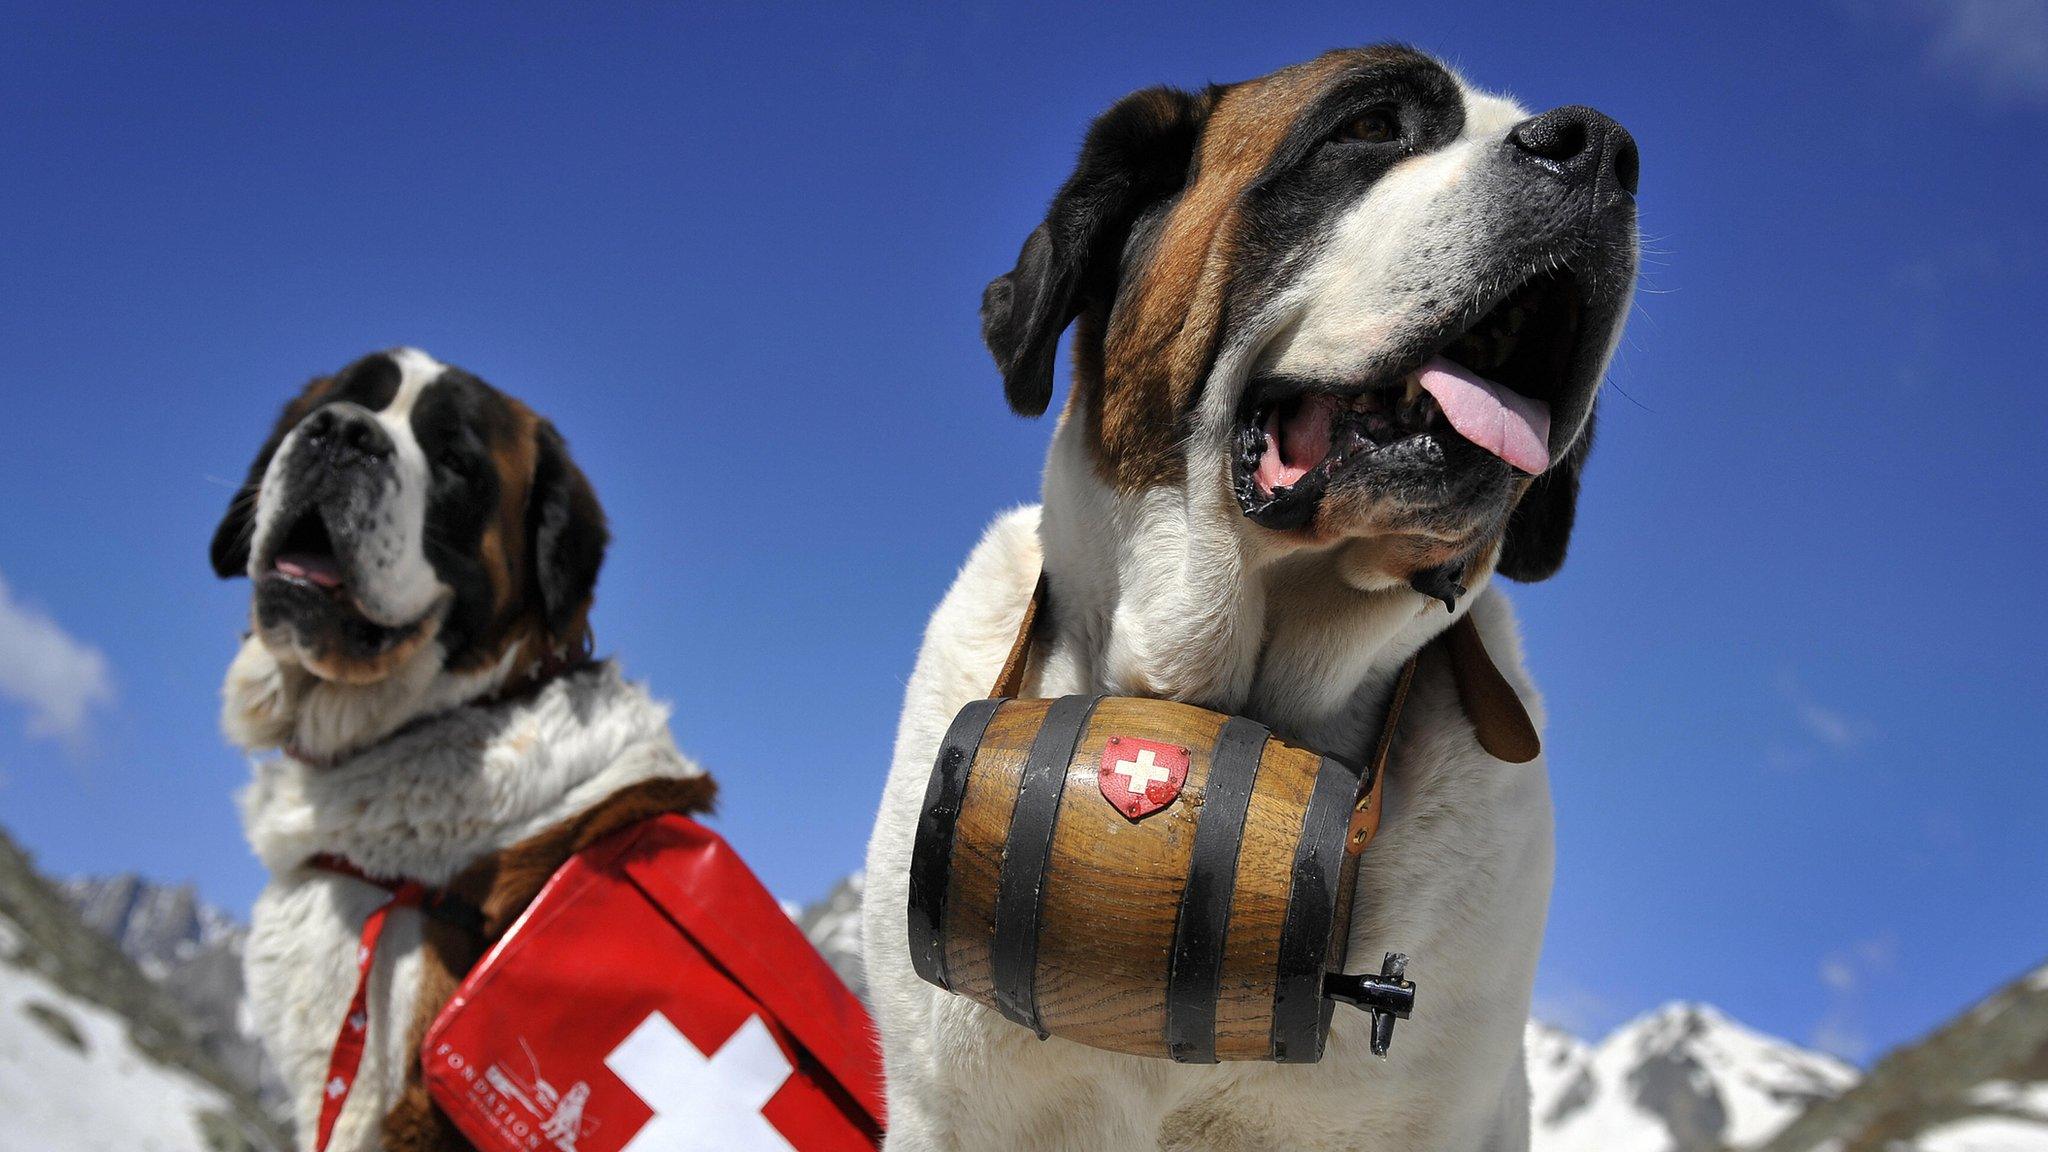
[421, 806]
[1459, 879]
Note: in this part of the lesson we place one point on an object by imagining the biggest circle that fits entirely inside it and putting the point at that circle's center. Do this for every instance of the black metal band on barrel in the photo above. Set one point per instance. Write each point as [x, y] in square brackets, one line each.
[1300, 1012]
[1021, 886]
[931, 859]
[1195, 971]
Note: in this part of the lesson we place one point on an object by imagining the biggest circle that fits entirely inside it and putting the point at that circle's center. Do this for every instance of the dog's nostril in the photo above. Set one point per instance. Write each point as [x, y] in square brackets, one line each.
[1628, 164]
[1551, 137]
[362, 438]
[1580, 146]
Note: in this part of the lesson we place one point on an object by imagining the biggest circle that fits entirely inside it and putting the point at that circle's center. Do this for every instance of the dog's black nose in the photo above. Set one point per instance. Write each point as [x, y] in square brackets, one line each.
[1581, 146]
[347, 435]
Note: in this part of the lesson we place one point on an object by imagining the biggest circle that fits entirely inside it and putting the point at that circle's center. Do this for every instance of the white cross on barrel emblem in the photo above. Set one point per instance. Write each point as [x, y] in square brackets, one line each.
[1139, 777]
[1140, 774]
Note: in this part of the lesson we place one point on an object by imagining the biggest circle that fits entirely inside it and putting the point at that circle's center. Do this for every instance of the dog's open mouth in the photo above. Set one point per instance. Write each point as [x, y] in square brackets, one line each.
[308, 582]
[306, 555]
[1489, 384]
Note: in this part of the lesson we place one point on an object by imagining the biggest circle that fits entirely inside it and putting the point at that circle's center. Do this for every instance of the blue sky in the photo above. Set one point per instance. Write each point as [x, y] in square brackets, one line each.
[1794, 665]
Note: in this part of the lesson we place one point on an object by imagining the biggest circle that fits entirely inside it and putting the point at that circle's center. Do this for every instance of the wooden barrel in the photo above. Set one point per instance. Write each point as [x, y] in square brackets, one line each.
[1138, 875]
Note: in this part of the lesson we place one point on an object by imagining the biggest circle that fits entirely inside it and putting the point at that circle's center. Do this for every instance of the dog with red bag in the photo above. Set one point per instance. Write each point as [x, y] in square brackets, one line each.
[492, 920]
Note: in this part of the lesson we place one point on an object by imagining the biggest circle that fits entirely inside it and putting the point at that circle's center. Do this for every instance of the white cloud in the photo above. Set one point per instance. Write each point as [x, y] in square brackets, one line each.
[1845, 974]
[1834, 730]
[1838, 974]
[1841, 1038]
[1998, 47]
[1827, 725]
[1576, 1010]
[57, 678]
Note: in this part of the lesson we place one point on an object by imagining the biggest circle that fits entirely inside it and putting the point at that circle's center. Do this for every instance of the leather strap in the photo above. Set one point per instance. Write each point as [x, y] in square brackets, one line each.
[1491, 703]
[1010, 681]
[1367, 809]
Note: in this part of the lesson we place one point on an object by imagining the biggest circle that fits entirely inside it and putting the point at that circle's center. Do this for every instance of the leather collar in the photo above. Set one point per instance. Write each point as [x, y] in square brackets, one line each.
[1491, 704]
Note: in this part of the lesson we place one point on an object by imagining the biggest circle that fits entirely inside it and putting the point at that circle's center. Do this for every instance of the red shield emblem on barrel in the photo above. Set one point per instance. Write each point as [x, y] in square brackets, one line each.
[1140, 777]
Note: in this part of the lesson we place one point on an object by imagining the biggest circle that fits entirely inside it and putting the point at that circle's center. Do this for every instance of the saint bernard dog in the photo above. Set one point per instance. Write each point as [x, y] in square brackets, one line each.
[1338, 334]
[423, 554]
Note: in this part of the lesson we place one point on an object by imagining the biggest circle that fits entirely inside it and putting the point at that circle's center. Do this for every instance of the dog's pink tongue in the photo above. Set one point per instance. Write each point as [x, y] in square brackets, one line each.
[320, 570]
[1502, 421]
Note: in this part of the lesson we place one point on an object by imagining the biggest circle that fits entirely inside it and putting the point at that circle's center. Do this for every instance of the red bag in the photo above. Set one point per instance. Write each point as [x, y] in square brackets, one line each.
[655, 998]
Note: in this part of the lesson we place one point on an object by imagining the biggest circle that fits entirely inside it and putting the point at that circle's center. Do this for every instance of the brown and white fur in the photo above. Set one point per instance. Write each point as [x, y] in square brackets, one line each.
[424, 554]
[1233, 256]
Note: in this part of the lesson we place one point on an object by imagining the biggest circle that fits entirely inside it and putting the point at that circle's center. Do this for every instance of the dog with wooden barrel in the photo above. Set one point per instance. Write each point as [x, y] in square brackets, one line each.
[1337, 335]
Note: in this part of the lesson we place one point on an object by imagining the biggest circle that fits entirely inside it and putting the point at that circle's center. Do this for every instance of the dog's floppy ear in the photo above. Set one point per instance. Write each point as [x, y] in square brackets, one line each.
[1540, 528]
[230, 550]
[1136, 154]
[569, 535]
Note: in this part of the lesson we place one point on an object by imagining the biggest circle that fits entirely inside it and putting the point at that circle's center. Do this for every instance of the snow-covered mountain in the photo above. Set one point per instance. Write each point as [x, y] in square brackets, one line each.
[162, 927]
[1977, 1084]
[94, 1055]
[1684, 1078]
[194, 951]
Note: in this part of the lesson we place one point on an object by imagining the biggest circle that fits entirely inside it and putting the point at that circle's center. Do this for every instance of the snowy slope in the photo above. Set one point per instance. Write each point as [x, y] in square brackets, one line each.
[71, 1079]
[2012, 1118]
[94, 1055]
[1684, 1078]
[194, 952]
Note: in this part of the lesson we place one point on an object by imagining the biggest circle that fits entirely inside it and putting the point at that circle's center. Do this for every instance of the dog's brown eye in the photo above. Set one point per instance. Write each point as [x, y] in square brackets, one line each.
[1375, 126]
